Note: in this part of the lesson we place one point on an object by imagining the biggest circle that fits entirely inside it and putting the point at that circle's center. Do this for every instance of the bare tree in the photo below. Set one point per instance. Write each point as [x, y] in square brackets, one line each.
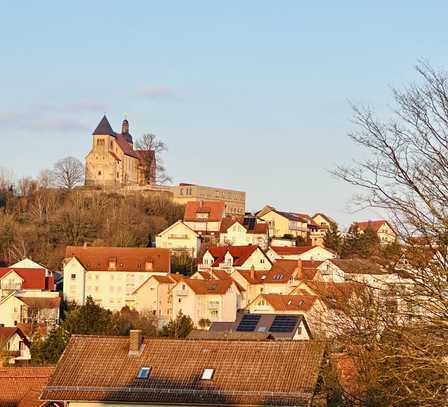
[151, 149]
[406, 176]
[68, 172]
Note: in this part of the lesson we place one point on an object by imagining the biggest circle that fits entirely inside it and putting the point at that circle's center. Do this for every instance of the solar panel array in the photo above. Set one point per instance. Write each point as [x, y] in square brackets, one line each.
[249, 223]
[248, 323]
[284, 323]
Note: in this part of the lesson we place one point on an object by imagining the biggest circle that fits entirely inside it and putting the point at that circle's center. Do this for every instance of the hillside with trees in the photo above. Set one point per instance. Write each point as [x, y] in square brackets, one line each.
[38, 222]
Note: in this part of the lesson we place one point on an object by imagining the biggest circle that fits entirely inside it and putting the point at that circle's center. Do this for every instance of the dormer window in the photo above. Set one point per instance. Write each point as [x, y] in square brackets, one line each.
[202, 215]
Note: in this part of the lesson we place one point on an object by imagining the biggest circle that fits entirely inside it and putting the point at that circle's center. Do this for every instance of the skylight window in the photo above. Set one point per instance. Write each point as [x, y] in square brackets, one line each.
[207, 374]
[144, 372]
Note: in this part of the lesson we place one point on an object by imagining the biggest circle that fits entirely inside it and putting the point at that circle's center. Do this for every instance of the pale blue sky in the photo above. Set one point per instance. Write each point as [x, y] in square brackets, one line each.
[251, 95]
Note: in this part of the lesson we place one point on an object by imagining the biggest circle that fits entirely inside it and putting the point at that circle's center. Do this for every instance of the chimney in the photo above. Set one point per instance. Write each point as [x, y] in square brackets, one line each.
[135, 342]
[252, 272]
[85, 245]
[300, 268]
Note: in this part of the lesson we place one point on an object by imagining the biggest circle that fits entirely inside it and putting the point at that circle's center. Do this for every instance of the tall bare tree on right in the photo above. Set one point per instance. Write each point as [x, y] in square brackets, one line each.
[406, 176]
[151, 149]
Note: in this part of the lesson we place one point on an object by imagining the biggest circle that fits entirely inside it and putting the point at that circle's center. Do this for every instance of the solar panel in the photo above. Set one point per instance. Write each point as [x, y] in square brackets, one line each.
[249, 223]
[248, 323]
[284, 323]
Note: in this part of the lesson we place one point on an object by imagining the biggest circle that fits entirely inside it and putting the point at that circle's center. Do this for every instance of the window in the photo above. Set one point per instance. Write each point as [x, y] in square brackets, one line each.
[148, 265]
[99, 172]
[73, 276]
[207, 374]
[261, 260]
[143, 373]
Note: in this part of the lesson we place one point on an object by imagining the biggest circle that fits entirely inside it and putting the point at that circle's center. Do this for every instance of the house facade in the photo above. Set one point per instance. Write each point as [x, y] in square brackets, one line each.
[316, 253]
[180, 239]
[110, 275]
[206, 300]
[244, 231]
[14, 346]
[230, 258]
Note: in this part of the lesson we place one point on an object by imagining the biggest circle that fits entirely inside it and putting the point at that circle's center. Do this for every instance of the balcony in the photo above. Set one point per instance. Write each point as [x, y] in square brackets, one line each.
[213, 305]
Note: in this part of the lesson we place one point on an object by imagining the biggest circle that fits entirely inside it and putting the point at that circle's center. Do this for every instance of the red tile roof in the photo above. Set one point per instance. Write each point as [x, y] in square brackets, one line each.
[215, 210]
[281, 373]
[208, 287]
[301, 301]
[21, 386]
[33, 279]
[126, 258]
[374, 224]
[291, 250]
[126, 147]
[239, 253]
[334, 295]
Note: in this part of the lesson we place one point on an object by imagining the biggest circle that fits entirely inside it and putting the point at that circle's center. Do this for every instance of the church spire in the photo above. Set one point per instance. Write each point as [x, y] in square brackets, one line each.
[104, 127]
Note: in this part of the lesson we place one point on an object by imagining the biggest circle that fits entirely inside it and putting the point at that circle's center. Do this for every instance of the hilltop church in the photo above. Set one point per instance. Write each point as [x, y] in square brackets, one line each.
[113, 162]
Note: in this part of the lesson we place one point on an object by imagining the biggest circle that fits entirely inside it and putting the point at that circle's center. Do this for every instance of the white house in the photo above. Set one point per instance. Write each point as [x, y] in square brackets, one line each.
[110, 275]
[180, 239]
[315, 253]
[244, 231]
[14, 346]
[230, 258]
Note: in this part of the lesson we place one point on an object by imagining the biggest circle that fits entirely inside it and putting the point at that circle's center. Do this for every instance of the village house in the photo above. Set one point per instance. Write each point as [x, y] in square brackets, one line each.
[323, 220]
[26, 278]
[292, 327]
[16, 309]
[283, 276]
[205, 301]
[155, 296]
[14, 346]
[359, 270]
[386, 234]
[28, 295]
[234, 201]
[293, 225]
[205, 218]
[181, 239]
[316, 253]
[136, 371]
[230, 258]
[113, 162]
[110, 275]
[243, 231]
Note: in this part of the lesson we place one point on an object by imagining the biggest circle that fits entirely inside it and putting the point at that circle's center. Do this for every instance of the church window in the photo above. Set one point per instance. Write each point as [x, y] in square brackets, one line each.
[100, 142]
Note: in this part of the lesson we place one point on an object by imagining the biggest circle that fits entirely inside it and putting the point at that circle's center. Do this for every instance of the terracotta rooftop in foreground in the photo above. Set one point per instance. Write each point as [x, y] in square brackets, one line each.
[271, 373]
[21, 386]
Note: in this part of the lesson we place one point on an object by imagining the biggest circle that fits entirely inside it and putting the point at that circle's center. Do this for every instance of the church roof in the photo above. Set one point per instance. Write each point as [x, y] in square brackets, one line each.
[104, 127]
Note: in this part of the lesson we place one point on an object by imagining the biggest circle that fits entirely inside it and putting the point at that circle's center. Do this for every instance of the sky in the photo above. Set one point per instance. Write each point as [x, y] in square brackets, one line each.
[252, 95]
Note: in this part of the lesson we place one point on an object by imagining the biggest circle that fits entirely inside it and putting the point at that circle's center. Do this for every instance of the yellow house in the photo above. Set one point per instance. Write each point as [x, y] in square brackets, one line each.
[284, 223]
[180, 239]
[206, 301]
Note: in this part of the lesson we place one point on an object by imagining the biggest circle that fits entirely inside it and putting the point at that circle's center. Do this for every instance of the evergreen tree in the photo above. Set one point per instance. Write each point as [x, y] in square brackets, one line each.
[48, 351]
[179, 327]
[332, 239]
[91, 319]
